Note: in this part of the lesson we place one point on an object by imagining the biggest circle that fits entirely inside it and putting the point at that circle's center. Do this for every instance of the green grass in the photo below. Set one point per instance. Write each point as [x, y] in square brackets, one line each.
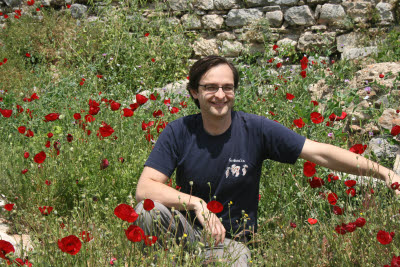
[84, 196]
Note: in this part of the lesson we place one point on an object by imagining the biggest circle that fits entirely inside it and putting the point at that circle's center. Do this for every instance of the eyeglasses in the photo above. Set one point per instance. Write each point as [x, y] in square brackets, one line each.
[213, 88]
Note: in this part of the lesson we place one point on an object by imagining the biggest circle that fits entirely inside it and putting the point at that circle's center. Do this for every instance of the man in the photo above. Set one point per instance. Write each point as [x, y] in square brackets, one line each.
[218, 155]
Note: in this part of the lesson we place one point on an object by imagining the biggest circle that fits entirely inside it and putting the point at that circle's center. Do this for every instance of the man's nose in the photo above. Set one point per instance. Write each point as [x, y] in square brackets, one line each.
[220, 93]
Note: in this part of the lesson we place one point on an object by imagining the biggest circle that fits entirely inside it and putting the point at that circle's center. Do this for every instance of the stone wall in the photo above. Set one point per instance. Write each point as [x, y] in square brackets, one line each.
[233, 27]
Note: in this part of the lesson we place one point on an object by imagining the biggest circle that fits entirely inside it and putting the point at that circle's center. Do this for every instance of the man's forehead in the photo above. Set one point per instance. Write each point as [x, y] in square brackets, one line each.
[218, 71]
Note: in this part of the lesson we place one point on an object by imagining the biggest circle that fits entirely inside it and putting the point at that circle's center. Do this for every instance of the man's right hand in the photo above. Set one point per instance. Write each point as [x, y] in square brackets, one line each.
[210, 222]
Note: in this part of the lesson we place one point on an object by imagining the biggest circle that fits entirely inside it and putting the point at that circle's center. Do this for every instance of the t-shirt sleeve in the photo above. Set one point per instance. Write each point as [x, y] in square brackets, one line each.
[280, 143]
[164, 156]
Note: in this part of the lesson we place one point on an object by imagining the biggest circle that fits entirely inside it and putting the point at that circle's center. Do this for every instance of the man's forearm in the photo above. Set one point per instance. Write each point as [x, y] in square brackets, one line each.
[166, 195]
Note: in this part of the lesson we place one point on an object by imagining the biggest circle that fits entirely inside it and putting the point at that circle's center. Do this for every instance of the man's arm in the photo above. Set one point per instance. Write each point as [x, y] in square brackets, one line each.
[339, 159]
[152, 185]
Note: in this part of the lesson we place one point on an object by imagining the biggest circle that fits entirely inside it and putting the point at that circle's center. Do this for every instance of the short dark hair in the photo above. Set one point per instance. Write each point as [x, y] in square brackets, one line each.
[201, 66]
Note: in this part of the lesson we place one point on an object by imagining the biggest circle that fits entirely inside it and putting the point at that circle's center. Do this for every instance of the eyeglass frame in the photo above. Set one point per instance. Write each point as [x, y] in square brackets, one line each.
[222, 87]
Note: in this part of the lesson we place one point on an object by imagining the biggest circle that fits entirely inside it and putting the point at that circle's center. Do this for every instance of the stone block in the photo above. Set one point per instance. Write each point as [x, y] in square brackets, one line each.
[242, 17]
[299, 16]
[213, 22]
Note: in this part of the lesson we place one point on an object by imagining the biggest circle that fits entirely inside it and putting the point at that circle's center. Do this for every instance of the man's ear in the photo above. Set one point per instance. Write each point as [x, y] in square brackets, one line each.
[194, 93]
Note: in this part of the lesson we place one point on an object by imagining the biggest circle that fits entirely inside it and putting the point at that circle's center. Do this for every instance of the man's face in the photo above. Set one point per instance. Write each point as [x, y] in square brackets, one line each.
[220, 103]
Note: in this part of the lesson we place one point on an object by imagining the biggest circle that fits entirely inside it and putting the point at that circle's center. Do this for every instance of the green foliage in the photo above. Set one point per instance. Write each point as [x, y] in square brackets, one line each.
[389, 49]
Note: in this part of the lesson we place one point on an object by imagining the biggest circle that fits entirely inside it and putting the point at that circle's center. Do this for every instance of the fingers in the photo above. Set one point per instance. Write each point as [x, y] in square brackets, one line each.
[216, 229]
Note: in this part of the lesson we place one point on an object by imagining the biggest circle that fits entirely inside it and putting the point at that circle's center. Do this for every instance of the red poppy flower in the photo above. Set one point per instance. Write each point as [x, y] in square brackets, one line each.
[86, 236]
[395, 262]
[274, 47]
[395, 185]
[174, 110]
[350, 183]
[115, 106]
[126, 213]
[150, 240]
[50, 135]
[104, 164]
[303, 74]
[316, 117]
[99, 76]
[161, 125]
[24, 171]
[68, 6]
[358, 148]
[395, 130]
[183, 104]
[332, 198]
[299, 123]
[5, 248]
[45, 210]
[40, 157]
[304, 63]
[153, 97]
[215, 206]
[341, 229]
[167, 102]
[52, 117]
[293, 225]
[106, 130]
[94, 110]
[6, 112]
[148, 204]
[9, 207]
[149, 137]
[309, 168]
[381, 75]
[134, 233]
[316, 182]
[134, 106]
[360, 222]
[27, 55]
[26, 155]
[70, 244]
[77, 116]
[158, 113]
[312, 221]
[127, 112]
[289, 96]
[141, 99]
[29, 133]
[153, 60]
[34, 96]
[337, 210]
[315, 103]
[47, 182]
[89, 118]
[350, 227]
[146, 125]
[70, 138]
[146, 34]
[121, 159]
[5, 60]
[351, 192]
[279, 65]
[21, 129]
[271, 60]
[384, 237]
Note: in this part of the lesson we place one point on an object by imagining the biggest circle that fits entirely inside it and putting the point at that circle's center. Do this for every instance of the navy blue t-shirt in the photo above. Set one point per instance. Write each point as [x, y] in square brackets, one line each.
[227, 166]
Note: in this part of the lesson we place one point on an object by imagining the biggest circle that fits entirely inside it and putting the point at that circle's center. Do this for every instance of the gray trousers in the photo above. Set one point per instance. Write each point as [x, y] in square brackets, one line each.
[165, 224]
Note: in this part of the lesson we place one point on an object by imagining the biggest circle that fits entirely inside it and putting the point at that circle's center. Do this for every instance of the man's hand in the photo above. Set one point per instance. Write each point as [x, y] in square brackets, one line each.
[210, 222]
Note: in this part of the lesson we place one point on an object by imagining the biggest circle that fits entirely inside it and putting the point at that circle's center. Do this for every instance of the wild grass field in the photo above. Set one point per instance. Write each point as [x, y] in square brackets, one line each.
[76, 128]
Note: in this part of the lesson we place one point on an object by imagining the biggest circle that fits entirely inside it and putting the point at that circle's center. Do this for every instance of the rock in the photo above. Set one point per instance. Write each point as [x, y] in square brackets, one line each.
[92, 19]
[274, 18]
[191, 22]
[320, 90]
[385, 12]
[287, 42]
[270, 8]
[226, 36]
[358, 11]
[257, 3]
[225, 4]
[309, 41]
[287, 2]
[370, 74]
[78, 11]
[231, 48]
[382, 148]
[173, 21]
[242, 17]
[318, 28]
[204, 4]
[353, 53]
[254, 48]
[213, 22]
[12, 3]
[204, 47]
[252, 36]
[178, 87]
[389, 118]
[45, 3]
[299, 16]
[179, 5]
[349, 40]
[329, 14]
[57, 3]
